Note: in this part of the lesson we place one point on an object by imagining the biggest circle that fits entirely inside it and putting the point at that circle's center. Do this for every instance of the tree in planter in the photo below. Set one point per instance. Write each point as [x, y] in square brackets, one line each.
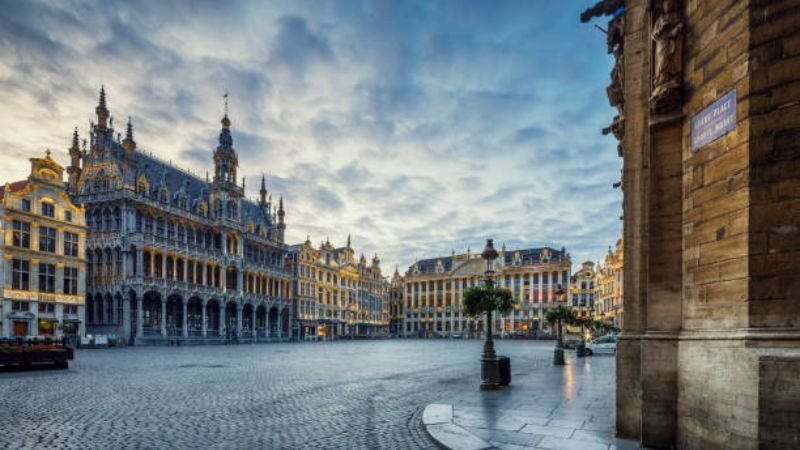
[559, 316]
[486, 299]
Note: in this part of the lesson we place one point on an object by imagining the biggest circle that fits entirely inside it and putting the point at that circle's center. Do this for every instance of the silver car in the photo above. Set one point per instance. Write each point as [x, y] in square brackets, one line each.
[602, 345]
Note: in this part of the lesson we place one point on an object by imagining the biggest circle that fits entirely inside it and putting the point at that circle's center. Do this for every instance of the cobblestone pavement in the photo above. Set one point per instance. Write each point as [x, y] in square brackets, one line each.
[361, 394]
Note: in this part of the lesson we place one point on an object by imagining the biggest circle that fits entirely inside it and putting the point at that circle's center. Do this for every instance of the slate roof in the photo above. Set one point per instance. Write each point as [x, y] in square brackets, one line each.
[13, 187]
[529, 256]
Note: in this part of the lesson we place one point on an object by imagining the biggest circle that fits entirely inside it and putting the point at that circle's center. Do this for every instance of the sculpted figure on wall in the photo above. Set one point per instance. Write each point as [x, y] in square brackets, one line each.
[667, 35]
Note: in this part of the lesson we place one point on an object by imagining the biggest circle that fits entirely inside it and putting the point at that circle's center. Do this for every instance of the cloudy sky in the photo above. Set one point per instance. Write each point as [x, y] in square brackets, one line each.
[417, 127]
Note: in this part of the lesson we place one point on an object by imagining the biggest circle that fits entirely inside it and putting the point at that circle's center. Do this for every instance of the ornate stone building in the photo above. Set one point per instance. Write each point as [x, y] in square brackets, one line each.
[42, 281]
[434, 288]
[709, 97]
[582, 292]
[608, 306]
[340, 297]
[172, 256]
[396, 310]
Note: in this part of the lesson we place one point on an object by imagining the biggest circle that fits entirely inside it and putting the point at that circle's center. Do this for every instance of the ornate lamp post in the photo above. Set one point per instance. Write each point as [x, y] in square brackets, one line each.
[490, 369]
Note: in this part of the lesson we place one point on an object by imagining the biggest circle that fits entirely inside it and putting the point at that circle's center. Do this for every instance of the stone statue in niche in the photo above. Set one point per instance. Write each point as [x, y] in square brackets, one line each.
[667, 35]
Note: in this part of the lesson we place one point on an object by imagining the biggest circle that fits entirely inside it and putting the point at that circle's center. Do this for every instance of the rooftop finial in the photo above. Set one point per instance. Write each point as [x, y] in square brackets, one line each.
[102, 103]
[226, 102]
[75, 140]
[263, 191]
[102, 112]
[128, 143]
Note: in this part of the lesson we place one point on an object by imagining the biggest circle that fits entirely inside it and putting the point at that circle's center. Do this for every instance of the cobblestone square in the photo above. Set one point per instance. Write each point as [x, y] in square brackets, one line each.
[361, 394]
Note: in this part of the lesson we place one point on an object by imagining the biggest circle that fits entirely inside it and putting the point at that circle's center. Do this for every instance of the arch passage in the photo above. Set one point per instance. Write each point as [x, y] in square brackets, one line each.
[174, 315]
[151, 313]
[212, 317]
[194, 316]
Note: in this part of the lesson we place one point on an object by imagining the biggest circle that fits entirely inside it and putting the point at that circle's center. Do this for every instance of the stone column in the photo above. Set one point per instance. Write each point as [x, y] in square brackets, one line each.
[59, 313]
[205, 318]
[139, 262]
[222, 319]
[139, 315]
[164, 316]
[126, 317]
[184, 328]
[253, 322]
[185, 270]
[239, 320]
[81, 316]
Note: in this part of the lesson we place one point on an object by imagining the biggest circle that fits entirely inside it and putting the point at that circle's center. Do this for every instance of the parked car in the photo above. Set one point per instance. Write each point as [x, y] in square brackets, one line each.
[456, 336]
[602, 345]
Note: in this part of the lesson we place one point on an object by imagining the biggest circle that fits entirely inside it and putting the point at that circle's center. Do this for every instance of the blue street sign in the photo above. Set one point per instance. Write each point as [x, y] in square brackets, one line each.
[715, 121]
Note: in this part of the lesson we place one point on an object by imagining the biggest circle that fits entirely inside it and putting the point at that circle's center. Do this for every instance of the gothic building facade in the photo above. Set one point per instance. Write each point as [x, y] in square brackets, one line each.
[171, 256]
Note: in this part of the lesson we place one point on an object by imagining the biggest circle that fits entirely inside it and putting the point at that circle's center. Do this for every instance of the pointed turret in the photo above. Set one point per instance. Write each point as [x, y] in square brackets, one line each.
[75, 154]
[225, 160]
[375, 260]
[281, 224]
[348, 241]
[101, 110]
[128, 143]
[263, 191]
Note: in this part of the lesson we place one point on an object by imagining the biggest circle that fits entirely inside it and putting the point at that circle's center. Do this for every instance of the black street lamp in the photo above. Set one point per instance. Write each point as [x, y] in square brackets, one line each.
[490, 368]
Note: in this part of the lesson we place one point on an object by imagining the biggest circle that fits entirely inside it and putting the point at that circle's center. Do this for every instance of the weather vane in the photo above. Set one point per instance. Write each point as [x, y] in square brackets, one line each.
[226, 101]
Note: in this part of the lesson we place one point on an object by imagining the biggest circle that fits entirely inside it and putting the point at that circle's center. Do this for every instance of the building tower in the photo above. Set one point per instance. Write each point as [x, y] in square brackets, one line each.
[74, 169]
[281, 224]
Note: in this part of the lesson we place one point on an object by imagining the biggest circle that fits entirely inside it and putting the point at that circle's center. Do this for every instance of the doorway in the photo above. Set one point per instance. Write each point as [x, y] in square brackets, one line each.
[20, 328]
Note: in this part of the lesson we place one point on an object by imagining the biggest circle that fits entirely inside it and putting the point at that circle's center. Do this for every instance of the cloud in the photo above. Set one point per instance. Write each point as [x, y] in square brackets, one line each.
[419, 127]
[296, 47]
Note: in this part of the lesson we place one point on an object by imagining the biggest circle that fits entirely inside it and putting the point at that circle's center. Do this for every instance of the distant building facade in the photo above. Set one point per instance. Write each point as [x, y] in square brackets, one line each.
[582, 293]
[338, 296]
[43, 266]
[172, 256]
[434, 289]
[396, 305]
[608, 287]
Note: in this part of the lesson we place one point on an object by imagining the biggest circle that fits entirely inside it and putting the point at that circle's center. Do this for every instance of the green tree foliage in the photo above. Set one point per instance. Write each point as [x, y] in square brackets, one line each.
[480, 299]
[560, 314]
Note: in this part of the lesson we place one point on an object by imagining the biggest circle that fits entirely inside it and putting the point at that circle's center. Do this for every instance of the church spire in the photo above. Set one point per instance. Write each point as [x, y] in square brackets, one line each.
[101, 110]
[281, 213]
[263, 191]
[128, 143]
[226, 162]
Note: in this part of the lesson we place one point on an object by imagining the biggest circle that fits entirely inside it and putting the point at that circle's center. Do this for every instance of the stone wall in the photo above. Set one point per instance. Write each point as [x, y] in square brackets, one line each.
[710, 347]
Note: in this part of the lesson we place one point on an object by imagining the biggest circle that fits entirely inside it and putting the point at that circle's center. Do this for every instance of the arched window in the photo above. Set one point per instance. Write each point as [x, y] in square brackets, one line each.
[218, 208]
[232, 209]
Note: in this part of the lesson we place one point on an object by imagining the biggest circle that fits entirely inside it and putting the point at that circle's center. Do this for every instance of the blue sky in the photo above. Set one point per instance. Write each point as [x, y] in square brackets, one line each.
[417, 127]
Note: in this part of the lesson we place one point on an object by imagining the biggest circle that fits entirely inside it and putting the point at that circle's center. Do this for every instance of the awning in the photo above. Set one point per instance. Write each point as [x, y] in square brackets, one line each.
[309, 323]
